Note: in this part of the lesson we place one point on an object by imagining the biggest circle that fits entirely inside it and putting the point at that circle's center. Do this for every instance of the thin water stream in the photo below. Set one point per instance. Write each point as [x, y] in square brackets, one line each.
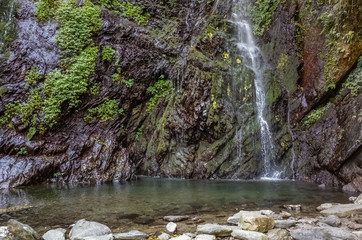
[143, 203]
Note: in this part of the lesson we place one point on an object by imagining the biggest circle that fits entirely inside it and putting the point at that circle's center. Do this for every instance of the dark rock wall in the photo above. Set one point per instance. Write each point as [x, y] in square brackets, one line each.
[206, 127]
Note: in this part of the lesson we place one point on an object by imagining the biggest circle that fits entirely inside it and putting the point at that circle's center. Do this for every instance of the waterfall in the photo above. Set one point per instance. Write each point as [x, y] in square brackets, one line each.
[253, 60]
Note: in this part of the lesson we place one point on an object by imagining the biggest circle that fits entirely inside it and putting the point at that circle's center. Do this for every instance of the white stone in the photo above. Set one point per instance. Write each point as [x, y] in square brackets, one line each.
[171, 227]
[164, 236]
[205, 237]
[182, 237]
[215, 229]
[358, 199]
[56, 234]
[248, 235]
[131, 235]
[343, 210]
[83, 229]
[255, 221]
[175, 218]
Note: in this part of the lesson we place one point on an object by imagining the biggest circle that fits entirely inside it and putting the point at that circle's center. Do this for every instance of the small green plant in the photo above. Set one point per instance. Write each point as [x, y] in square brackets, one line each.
[315, 115]
[129, 83]
[32, 76]
[57, 174]
[45, 9]
[20, 151]
[107, 53]
[261, 14]
[354, 80]
[106, 111]
[94, 90]
[11, 109]
[161, 89]
[139, 132]
[117, 77]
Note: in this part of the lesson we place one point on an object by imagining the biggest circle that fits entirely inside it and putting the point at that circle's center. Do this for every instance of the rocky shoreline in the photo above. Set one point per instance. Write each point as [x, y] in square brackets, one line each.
[332, 221]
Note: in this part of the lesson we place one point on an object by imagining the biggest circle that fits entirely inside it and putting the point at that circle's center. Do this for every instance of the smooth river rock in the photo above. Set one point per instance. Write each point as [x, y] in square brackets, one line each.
[215, 229]
[255, 221]
[171, 227]
[131, 235]
[248, 235]
[87, 230]
[164, 236]
[332, 220]
[175, 218]
[22, 231]
[343, 210]
[284, 223]
[182, 237]
[56, 234]
[278, 234]
[205, 237]
[322, 233]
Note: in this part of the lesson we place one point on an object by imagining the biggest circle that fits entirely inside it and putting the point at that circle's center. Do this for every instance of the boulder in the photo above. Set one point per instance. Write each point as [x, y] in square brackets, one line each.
[104, 237]
[205, 237]
[171, 227]
[255, 221]
[322, 233]
[248, 235]
[175, 218]
[22, 231]
[56, 234]
[83, 229]
[343, 210]
[131, 235]
[278, 234]
[215, 229]
[164, 236]
[182, 237]
[284, 223]
[332, 220]
[235, 218]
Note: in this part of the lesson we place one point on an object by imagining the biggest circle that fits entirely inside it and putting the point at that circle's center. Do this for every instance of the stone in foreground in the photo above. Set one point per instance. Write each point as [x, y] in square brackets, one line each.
[83, 229]
[278, 234]
[284, 223]
[215, 229]
[164, 236]
[22, 231]
[332, 220]
[182, 237]
[322, 233]
[205, 237]
[255, 221]
[104, 237]
[175, 218]
[343, 210]
[171, 227]
[358, 199]
[131, 235]
[248, 235]
[56, 234]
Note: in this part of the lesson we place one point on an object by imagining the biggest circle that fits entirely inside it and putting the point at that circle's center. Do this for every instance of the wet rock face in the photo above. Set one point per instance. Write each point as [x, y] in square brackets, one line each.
[206, 126]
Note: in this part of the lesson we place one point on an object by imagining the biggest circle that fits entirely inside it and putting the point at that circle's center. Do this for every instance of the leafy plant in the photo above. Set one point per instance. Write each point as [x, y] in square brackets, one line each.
[32, 76]
[315, 115]
[45, 9]
[107, 53]
[354, 80]
[161, 89]
[261, 14]
[21, 151]
[108, 110]
[139, 132]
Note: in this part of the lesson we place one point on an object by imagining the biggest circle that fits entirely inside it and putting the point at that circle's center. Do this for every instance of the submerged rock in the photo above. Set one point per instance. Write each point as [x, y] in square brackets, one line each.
[255, 221]
[131, 235]
[91, 230]
[22, 231]
[248, 235]
[215, 229]
[56, 234]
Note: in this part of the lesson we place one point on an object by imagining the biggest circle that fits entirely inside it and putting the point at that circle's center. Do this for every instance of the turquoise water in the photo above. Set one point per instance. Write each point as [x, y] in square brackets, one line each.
[143, 201]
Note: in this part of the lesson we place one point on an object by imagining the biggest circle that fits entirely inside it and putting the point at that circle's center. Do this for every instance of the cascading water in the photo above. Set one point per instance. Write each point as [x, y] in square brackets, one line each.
[253, 60]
